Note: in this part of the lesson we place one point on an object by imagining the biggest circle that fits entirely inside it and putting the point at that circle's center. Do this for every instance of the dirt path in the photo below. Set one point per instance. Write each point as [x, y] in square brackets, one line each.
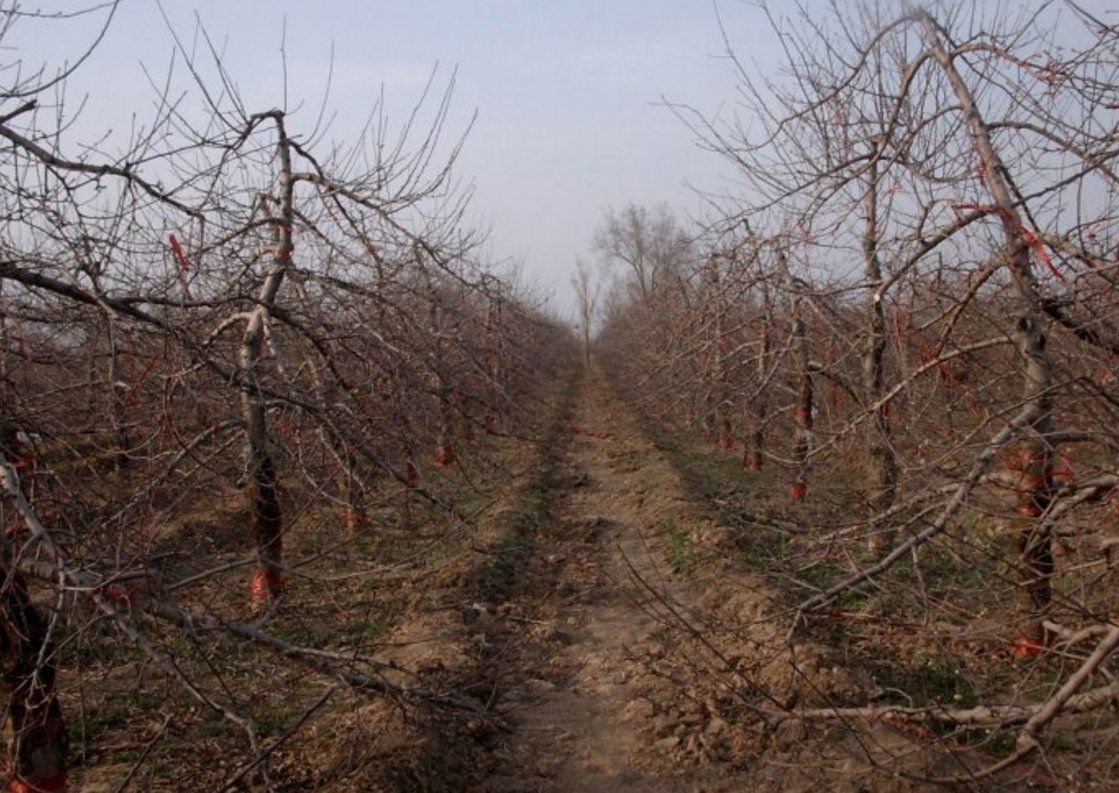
[589, 617]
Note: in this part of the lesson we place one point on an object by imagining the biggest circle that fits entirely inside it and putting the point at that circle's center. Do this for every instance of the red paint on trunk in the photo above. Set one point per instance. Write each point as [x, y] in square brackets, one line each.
[1028, 648]
[55, 783]
[267, 586]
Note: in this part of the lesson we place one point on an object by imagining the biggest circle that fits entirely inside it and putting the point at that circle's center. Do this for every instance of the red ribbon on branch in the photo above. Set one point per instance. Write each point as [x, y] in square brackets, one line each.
[1032, 239]
[132, 397]
[184, 265]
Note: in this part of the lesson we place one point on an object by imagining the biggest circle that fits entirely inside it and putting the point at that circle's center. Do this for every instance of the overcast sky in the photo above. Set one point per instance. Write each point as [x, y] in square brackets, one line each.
[567, 92]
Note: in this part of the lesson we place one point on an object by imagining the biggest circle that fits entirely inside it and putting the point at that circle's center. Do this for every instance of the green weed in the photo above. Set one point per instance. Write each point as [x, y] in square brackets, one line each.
[681, 553]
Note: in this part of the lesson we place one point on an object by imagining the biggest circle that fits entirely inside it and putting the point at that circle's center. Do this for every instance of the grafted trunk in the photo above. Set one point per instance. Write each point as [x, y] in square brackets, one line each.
[266, 523]
[350, 486]
[119, 389]
[1035, 485]
[35, 730]
[494, 364]
[755, 459]
[1033, 545]
[721, 399]
[445, 444]
[802, 413]
[266, 517]
[881, 461]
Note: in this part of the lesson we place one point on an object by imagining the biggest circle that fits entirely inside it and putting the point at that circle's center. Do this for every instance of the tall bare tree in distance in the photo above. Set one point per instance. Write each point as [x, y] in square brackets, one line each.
[649, 244]
[586, 294]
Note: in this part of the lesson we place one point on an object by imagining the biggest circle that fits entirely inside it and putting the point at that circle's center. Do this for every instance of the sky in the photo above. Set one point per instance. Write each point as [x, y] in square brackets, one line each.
[568, 94]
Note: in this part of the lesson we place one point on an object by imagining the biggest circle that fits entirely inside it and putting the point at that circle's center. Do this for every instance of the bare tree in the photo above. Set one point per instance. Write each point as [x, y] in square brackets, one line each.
[754, 456]
[943, 178]
[586, 293]
[228, 282]
[805, 404]
[882, 466]
[648, 243]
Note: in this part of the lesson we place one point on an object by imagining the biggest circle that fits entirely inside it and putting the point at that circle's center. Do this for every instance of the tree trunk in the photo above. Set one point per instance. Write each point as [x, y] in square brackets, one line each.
[35, 730]
[724, 430]
[882, 466]
[266, 517]
[355, 515]
[441, 388]
[802, 443]
[495, 364]
[1035, 485]
[756, 458]
[119, 391]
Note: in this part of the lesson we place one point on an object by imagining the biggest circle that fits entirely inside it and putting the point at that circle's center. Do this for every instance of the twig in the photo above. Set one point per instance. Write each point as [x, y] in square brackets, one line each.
[263, 755]
[144, 754]
[982, 461]
[1034, 718]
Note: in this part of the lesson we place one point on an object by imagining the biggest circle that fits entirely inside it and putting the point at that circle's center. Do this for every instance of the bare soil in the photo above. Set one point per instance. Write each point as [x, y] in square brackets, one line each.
[631, 652]
[589, 618]
[609, 622]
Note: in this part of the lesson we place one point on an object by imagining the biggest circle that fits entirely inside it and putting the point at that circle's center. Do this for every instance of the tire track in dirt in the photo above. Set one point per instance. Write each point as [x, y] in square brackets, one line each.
[589, 611]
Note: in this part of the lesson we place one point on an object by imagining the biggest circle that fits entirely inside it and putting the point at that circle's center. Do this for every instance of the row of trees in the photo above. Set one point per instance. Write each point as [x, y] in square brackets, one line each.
[222, 302]
[911, 311]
